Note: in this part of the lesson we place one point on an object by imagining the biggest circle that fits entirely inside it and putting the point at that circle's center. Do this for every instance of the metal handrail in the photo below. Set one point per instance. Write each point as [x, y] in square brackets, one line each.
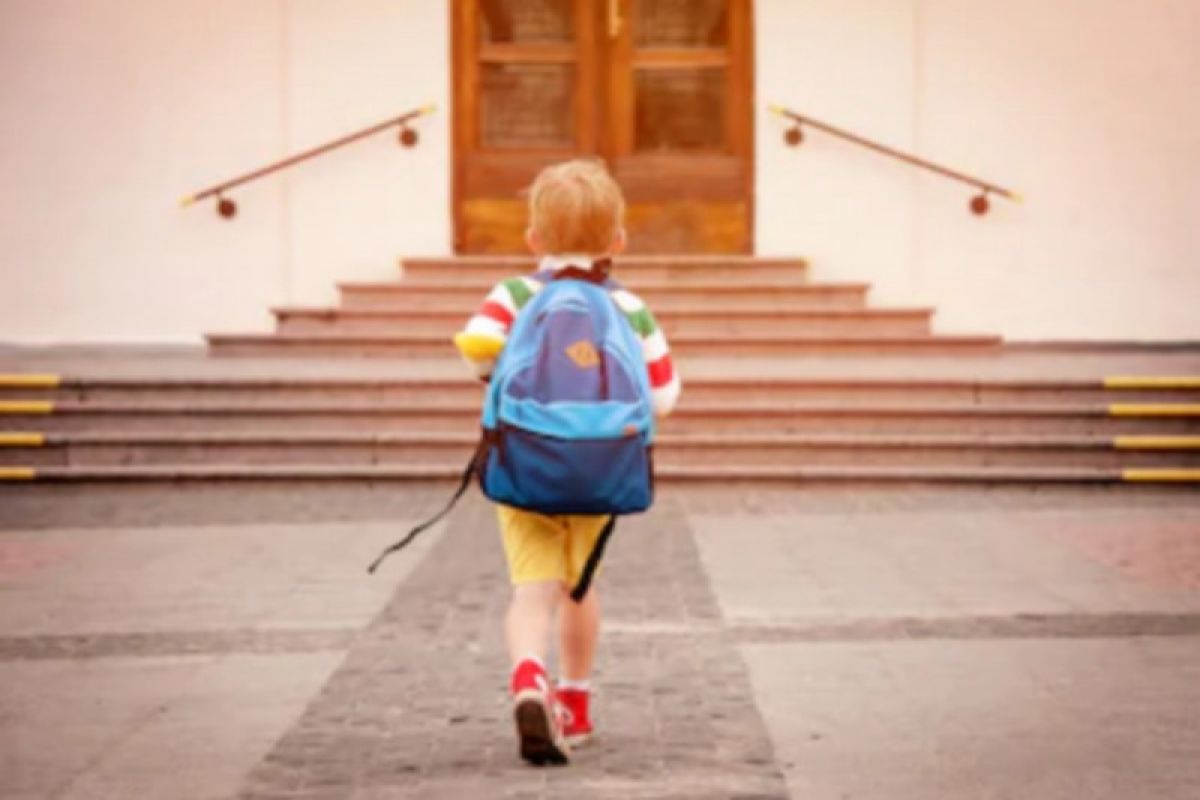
[979, 203]
[228, 209]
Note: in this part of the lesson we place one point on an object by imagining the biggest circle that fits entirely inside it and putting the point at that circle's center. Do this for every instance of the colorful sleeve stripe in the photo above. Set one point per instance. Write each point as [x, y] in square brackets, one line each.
[519, 291]
[661, 372]
[654, 344]
[495, 317]
[497, 312]
[665, 385]
[654, 347]
[665, 397]
[636, 312]
[499, 308]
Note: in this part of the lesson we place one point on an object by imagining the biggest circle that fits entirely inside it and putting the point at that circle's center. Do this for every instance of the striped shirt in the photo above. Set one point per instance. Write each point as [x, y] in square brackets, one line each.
[495, 317]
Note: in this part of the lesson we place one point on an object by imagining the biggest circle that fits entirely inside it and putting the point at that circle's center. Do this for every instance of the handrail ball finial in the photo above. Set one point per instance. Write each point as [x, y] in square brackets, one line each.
[793, 136]
[408, 136]
[980, 204]
[226, 207]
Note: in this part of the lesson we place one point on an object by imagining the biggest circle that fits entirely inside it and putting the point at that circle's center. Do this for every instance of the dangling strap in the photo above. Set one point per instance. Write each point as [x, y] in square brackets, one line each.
[589, 569]
[462, 489]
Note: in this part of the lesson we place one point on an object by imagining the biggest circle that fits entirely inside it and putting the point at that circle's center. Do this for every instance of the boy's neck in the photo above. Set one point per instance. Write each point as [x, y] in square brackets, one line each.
[553, 263]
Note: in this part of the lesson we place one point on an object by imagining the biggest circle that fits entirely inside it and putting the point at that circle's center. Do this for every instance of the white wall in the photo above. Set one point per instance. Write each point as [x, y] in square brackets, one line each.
[355, 212]
[1088, 107]
[112, 110]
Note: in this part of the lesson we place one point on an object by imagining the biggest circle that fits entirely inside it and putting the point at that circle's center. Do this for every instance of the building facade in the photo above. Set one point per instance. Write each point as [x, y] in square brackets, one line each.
[113, 109]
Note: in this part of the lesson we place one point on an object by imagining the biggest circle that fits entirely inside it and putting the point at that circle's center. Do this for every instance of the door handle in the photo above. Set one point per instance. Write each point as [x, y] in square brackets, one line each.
[614, 19]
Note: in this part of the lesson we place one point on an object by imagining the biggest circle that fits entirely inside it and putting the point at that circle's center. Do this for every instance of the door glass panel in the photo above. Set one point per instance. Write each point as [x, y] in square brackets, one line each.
[527, 105]
[680, 23]
[679, 109]
[526, 21]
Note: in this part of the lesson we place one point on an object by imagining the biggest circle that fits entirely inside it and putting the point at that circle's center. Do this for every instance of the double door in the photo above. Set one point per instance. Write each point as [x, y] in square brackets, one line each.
[661, 90]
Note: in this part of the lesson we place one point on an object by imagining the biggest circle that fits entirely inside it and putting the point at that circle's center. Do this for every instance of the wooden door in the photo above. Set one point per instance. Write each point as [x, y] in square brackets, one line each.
[660, 89]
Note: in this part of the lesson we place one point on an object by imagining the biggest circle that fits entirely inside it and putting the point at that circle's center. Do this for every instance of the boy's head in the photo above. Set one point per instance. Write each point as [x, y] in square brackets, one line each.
[576, 207]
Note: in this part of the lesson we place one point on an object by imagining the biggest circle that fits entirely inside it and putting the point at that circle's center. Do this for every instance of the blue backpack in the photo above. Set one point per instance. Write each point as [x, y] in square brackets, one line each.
[568, 420]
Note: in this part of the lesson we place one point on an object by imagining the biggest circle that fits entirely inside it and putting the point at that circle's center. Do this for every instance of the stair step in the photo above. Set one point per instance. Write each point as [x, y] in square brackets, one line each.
[702, 321]
[627, 269]
[661, 296]
[723, 475]
[435, 345]
[757, 417]
[337, 449]
[845, 391]
[916, 475]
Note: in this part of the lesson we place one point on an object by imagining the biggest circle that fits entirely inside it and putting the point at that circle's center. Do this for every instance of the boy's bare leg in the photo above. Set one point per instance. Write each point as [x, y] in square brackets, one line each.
[530, 616]
[578, 632]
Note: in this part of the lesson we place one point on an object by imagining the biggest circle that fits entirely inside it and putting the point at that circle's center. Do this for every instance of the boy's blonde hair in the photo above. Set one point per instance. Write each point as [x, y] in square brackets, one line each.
[576, 207]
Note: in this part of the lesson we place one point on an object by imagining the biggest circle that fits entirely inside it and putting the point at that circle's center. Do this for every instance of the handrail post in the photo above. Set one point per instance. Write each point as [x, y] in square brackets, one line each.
[979, 204]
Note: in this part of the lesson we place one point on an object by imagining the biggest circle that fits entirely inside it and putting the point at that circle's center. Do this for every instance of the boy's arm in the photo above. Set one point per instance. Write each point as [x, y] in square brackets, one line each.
[665, 384]
[483, 337]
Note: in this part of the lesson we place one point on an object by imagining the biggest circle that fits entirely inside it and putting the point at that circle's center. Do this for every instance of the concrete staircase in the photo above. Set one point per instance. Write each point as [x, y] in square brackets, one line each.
[888, 400]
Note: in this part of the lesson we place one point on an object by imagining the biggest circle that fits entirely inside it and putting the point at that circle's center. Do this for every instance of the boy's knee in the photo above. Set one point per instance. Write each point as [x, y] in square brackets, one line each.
[548, 592]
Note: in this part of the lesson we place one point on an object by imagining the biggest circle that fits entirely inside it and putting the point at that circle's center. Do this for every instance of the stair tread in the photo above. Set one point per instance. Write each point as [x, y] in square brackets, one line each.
[1192, 383]
[699, 261]
[1001, 363]
[697, 311]
[668, 473]
[709, 407]
[731, 285]
[678, 338]
[783, 439]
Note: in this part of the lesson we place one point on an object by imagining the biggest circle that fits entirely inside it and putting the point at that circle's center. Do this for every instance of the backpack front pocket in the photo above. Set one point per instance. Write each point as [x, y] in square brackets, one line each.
[599, 476]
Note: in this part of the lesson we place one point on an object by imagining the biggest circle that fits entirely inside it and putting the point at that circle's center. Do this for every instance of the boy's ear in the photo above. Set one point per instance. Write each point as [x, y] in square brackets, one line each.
[619, 242]
[533, 241]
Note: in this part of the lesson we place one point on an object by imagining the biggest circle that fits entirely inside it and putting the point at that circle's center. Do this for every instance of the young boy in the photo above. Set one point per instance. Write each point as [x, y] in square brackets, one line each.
[576, 215]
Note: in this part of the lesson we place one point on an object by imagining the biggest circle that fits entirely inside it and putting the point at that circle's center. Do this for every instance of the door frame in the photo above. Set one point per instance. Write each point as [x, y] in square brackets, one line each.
[604, 110]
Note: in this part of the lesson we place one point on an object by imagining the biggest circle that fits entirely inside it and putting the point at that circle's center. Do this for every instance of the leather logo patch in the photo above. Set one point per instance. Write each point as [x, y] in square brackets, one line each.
[583, 354]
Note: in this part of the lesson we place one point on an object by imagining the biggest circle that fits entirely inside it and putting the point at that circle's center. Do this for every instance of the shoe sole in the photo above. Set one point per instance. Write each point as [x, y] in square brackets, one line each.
[538, 745]
[578, 739]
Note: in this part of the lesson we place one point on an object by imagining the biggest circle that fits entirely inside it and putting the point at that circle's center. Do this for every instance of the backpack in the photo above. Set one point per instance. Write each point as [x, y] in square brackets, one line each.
[568, 421]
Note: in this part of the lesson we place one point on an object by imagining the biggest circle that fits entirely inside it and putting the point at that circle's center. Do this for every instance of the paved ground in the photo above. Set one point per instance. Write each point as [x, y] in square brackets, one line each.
[819, 643]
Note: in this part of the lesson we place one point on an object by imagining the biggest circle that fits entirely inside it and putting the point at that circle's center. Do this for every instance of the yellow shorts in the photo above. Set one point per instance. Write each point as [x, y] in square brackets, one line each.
[547, 548]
